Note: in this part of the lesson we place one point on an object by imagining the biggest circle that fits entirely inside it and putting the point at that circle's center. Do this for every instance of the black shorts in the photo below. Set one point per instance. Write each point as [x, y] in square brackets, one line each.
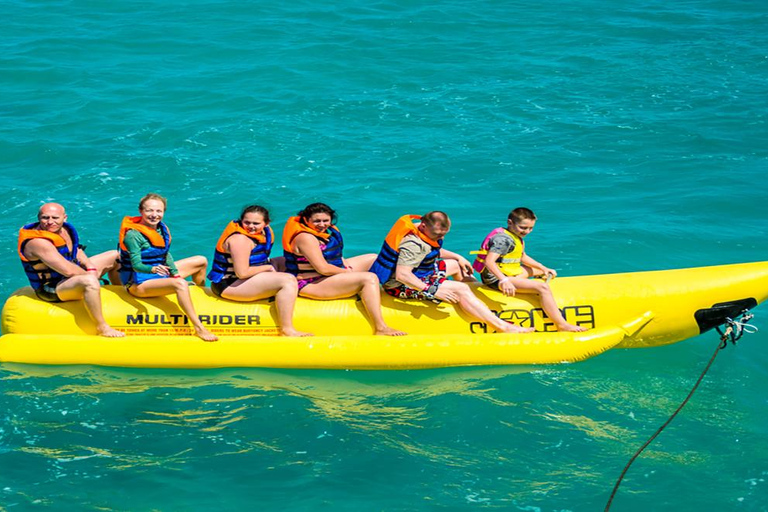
[47, 292]
[218, 288]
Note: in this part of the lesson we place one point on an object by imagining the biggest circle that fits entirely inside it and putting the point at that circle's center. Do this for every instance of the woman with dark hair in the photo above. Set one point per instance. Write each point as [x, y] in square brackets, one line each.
[313, 248]
[147, 268]
[243, 272]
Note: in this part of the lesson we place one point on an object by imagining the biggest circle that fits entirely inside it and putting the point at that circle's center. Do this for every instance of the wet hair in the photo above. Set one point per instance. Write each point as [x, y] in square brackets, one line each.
[520, 214]
[255, 208]
[314, 208]
[150, 197]
[436, 219]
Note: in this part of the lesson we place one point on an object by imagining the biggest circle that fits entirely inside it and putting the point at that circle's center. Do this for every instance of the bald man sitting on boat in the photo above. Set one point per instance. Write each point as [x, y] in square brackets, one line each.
[59, 270]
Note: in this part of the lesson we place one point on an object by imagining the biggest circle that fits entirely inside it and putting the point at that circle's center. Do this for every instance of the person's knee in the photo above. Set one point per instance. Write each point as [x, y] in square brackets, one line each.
[180, 284]
[289, 282]
[460, 287]
[195, 263]
[369, 280]
[89, 282]
[452, 268]
[112, 258]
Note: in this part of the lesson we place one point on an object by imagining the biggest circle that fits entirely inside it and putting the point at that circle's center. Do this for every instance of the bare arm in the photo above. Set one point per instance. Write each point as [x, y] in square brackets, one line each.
[405, 275]
[43, 250]
[240, 247]
[490, 263]
[505, 283]
[85, 262]
[134, 241]
[464, 264]
[309, 247]
[170, 264]
[530, 262]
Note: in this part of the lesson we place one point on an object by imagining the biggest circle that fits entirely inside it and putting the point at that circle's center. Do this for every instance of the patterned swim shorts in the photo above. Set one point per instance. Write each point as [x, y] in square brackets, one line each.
[436, 279]
[304, 282]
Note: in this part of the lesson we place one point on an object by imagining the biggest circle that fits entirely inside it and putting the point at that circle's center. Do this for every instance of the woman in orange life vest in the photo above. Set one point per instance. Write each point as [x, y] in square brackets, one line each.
[146, 266]
[243, 272]
[313, 248]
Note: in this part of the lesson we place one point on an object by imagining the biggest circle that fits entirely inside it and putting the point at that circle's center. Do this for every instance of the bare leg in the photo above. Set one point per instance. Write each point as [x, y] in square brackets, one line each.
[548, 303]
[529, 272]
[194, 266]
[474, 307]
[453, 270]
[361, 263]
[166, 286]
[270, 284]
[87, 288]
[348, 284]
[108, 263]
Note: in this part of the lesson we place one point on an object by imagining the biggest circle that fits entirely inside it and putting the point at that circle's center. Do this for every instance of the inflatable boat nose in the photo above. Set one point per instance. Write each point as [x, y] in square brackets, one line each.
[710, 318]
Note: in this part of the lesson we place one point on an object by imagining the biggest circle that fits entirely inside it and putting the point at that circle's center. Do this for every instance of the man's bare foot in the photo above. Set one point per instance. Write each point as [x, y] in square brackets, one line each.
[205, 335]
[388, 331]
[571, 328]
[294, 333]
[512, 328]
[108, 332]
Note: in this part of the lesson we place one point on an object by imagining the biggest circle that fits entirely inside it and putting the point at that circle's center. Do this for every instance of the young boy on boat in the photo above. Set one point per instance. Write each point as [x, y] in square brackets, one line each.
[412, 264]
[504, 265]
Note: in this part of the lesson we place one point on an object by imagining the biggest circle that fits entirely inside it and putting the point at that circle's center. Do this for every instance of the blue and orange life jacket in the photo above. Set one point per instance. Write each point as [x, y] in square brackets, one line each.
[38, 272]
[223, 268]
[155, 254]
[331, 244]
[386, 262]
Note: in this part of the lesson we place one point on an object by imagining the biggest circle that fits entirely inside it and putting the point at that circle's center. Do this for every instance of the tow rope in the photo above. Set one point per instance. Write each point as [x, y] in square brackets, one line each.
[733, 331]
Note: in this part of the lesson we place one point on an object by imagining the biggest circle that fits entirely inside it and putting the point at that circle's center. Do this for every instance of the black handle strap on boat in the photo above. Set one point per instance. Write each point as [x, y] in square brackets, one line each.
[734, 330]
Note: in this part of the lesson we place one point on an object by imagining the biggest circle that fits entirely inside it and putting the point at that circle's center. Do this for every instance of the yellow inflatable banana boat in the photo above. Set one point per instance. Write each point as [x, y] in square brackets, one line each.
[628, 310]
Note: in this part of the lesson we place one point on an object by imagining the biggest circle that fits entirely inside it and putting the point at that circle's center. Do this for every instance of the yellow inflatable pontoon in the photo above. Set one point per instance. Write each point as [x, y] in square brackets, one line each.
[628, 310]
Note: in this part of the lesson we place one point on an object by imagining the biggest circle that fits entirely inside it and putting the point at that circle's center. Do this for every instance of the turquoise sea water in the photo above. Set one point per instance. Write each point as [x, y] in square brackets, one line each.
[636, 131]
